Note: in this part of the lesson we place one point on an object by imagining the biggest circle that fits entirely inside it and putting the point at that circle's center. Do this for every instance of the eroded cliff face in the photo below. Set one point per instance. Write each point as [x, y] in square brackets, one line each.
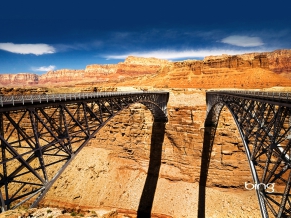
[111, 171]
[247, 71]
[20, 79]
[93, 74]
[280, 62]
[63, 76]
[224, 71]
[96, 74]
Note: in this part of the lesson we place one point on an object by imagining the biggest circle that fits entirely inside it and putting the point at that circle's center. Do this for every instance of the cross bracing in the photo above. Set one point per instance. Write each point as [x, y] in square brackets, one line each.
[41, 134]
[263, 120]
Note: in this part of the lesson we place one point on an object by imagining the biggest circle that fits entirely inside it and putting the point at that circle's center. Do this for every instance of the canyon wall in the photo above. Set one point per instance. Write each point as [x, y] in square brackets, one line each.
[97, 74]
[111, 171]
[60, 77]
[92, 74]
[20, 79]
[247, 71]
[280, 61]
[224, 71]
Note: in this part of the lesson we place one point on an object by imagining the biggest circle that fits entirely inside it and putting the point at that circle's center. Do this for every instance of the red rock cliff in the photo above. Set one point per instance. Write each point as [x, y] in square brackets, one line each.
[280, 61]
[253, 70]
[20, 79]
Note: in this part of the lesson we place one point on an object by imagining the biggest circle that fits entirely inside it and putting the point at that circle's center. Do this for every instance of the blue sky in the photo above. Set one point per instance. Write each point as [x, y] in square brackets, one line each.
[37, 36]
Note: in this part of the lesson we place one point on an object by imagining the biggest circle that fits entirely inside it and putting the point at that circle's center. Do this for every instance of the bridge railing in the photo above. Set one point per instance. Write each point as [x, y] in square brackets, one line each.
[38, 98]
[270, 95]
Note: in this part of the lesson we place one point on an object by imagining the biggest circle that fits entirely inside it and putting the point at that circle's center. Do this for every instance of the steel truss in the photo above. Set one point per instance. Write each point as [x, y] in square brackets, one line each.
[40, 138]
[263, 120]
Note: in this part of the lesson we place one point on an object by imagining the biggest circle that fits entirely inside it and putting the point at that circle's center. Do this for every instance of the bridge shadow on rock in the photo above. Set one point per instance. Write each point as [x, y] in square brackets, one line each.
[208, 139]
[149, 189]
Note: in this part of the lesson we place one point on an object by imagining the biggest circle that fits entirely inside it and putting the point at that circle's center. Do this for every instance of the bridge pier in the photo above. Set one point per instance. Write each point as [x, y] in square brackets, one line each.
[263, 120]
[210, 126]
[40, 135]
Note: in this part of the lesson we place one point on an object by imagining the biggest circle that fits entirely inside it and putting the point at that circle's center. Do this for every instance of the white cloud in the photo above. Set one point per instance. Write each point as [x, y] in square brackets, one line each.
[37, 49]
[44, 68]
[172, 54]
[243, 41]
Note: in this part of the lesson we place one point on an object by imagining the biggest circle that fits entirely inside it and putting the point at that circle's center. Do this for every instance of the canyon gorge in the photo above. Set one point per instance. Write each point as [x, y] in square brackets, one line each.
[109, 174]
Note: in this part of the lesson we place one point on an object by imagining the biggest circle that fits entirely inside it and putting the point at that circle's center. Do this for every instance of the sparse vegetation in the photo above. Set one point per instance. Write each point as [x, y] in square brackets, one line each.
[74, 213]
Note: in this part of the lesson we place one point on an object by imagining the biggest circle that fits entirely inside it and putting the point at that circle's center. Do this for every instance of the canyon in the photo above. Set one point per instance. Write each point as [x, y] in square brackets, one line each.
[109, 174]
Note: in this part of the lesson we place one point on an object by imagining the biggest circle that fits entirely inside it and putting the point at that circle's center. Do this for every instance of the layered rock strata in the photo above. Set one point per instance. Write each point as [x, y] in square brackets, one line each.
[224, 71]
[20, 79]
[112, 170]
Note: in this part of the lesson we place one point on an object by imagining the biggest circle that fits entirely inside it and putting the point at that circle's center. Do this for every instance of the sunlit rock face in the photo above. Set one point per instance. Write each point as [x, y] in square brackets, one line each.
[111, 171]
[280, 62]
[20, 79]
[223, 71]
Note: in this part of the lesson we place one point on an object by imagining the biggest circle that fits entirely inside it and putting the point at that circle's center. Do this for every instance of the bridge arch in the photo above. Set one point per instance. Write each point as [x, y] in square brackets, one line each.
[264, 126]
[39, 140]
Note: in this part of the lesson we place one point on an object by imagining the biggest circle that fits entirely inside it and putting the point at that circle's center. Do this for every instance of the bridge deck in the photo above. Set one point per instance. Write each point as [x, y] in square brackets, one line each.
[41, 134]
[278, 98]
[14, 101]
[263, 120]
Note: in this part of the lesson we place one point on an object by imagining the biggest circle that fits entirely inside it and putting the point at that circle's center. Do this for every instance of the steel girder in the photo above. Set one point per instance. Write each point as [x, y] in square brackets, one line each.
[263, 120]
[40, 138]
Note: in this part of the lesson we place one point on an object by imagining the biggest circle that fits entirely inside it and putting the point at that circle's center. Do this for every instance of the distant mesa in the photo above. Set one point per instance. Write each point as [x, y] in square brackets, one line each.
[145, 61]
[18, 79]
[251, 70]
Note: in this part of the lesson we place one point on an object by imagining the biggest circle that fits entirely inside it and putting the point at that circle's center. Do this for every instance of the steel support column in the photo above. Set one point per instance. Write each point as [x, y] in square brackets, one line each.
[263, 120]
[41, 134]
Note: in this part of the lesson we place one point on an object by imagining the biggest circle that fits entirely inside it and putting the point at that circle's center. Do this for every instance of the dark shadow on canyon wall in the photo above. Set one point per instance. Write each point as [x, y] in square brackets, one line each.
[210, 127]
[149, 189]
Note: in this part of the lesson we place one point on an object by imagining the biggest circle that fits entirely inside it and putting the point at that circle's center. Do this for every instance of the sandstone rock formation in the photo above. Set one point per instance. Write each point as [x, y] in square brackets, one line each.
[254, 70]
[61, 76]
[20, 79]
[280, 62]
[111, 171]
[145, 61]
[224, 71]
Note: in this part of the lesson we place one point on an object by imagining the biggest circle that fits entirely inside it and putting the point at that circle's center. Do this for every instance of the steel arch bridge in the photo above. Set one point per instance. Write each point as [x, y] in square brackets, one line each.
[41, 134]
[263, 120]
